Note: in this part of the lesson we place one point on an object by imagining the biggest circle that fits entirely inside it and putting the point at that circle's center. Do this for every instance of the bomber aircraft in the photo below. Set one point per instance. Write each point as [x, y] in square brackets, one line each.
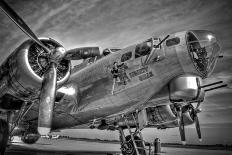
[156, 83]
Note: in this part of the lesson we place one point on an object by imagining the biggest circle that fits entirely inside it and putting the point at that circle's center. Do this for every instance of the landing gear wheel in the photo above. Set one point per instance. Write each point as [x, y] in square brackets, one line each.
[31, 136]
[4, 134]
[128, 147]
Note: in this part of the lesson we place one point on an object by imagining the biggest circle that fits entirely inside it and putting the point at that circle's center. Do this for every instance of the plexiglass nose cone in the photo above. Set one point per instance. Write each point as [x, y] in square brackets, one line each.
[203, 49]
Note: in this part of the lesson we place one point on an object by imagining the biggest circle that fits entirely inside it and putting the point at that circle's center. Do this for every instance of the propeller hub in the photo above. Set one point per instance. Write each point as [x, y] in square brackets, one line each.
[198, 110]
[57, 54]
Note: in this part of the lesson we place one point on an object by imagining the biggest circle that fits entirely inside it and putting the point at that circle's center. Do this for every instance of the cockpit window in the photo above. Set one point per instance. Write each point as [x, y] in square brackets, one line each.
[126, 56]
[173, 41]
[142, 49]
[115, 49]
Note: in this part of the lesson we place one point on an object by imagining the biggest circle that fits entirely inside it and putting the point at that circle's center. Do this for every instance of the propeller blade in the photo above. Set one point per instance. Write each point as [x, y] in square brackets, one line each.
[182, 130]
[198, 105]
[197, 125]
[47, 99]
[20, 23]
[212, 84]
[82, 53]
[180, 120]
[224, 85]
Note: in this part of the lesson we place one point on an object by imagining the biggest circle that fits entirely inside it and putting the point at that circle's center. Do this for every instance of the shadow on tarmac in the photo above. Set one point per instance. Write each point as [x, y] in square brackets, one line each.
[20, 150]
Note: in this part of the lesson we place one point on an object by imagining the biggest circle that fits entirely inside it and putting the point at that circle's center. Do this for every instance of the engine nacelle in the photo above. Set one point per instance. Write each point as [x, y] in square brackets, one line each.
[161, 117]
[21, 73]
[160, 114]
[155, 116]
[83, 53]
[165, 116]
[186, 88]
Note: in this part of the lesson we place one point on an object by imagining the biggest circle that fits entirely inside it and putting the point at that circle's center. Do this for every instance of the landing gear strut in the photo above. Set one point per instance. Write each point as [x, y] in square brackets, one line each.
[4, 134]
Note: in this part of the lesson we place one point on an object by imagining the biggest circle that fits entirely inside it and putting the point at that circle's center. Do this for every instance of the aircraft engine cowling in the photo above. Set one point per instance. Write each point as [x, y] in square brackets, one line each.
[165, 116]
[22, 73]
[186, 88]
[83, 53]
[160, 114]
[154, 116]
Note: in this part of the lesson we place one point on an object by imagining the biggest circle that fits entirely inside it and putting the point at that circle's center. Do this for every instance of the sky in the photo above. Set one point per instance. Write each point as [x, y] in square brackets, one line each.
[119, 23]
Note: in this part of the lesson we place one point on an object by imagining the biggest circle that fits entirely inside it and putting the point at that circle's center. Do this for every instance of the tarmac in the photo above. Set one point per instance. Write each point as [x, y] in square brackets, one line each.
[74, 147]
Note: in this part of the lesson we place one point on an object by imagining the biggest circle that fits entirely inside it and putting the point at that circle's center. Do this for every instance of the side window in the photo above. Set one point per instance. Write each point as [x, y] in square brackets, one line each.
[126, 56]
[173, 41]
[142, 49]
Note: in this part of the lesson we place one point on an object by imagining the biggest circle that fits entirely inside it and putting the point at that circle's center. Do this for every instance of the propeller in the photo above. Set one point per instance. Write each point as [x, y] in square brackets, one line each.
[46, 100]
[196, 120]
[20, 23]
[180, 120]
[197, 125]
[193, 112]
[49, 83]
[48, 89]
[73, 54]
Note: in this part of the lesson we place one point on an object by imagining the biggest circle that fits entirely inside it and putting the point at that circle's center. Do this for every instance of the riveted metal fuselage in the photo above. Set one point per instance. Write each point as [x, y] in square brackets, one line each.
[140, 82]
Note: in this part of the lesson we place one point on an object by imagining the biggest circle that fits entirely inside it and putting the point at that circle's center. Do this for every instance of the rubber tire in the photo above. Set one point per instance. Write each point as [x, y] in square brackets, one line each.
[4, 136]
[139, 144]
[30, 138]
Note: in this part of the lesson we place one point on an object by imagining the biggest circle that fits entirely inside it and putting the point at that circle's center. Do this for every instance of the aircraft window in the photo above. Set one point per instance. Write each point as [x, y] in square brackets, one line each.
[126, 56]
[106, 52]
[142, 49]
[115, 49]
[173, 41]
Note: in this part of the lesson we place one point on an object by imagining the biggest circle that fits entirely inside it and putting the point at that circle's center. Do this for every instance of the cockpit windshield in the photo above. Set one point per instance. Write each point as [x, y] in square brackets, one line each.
[203, 49]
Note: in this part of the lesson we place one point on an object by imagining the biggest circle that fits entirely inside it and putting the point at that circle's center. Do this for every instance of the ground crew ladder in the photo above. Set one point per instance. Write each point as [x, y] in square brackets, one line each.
[138, 133]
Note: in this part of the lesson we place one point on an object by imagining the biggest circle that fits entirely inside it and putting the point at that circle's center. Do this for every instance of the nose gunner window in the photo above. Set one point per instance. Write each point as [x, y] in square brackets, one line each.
[126, 56]
[203, 49]
[173, 41]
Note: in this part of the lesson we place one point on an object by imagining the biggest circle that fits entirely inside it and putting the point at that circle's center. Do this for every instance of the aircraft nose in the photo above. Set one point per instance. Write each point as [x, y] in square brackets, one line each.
[204, 50]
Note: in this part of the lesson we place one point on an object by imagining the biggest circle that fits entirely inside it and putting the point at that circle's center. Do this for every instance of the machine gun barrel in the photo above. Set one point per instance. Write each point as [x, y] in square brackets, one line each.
[211, 84]
[216, 87]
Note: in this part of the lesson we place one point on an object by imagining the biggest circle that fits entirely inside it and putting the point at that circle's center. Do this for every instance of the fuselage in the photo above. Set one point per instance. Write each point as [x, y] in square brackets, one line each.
[139, 81]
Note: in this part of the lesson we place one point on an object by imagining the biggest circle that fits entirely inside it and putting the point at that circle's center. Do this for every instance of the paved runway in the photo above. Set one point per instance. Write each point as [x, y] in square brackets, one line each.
[74, 147]
[63, 147]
